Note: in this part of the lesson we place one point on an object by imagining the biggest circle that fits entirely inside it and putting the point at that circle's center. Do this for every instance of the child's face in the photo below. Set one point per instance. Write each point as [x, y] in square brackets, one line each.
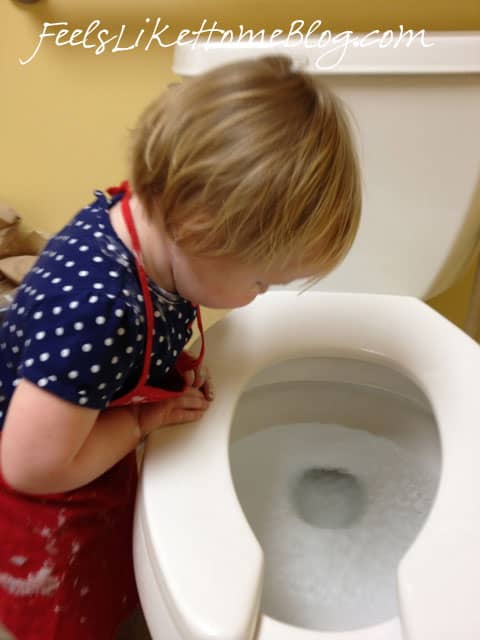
[222, 282]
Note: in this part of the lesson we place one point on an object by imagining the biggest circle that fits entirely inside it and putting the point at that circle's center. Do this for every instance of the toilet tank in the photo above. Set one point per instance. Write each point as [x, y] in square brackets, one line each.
[414, 108]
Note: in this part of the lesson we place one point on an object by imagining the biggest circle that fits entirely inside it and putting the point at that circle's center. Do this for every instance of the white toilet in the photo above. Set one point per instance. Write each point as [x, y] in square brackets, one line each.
[332, 489]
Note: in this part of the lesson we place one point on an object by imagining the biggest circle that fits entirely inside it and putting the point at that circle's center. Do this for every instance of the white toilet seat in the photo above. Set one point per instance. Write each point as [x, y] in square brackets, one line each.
[190, 529]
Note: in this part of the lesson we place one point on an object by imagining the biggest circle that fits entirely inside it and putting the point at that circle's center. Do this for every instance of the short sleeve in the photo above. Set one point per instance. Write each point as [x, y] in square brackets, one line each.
[81, 348]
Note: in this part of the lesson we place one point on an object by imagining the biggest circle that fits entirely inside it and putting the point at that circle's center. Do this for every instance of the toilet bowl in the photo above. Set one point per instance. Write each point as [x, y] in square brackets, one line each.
[199, 565]
[367, 525]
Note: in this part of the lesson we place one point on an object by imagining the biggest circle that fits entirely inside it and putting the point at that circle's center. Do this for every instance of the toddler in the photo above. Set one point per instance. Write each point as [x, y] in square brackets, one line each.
[240, 178]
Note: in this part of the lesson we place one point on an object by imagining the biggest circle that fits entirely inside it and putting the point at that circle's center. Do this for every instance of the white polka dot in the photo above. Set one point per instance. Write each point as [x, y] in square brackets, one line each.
[29, 362]
[40, 335]
[42, 382]
[119, 313]
[83, 273]
[97, 259]
[86, 347]
[115, 359]
[158, 362]
[95, 368]
[111, 247]
[72, 374]
[108, 341]
[73, 304]
[100, 319]
[129, 349]
[175, 352]
[93, 299]
[139, 337]
[56, 280]
[44, 356]
[179, 336]
[98, 285]
[70, 263]
[83, 401]
[59, 331]
[102, 386]
[67, 287]
[83, 248]
[113, 274]
[78, 326]
[118, 376]
[170, 308]
[40, 296]
[65, 353]
[161, 338]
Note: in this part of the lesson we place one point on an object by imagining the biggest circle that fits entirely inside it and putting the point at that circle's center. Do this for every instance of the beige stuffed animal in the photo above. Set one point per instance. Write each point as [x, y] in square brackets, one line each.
[19, 249]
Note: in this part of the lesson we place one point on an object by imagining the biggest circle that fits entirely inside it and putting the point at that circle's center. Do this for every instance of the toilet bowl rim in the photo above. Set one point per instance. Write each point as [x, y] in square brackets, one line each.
[380, 318]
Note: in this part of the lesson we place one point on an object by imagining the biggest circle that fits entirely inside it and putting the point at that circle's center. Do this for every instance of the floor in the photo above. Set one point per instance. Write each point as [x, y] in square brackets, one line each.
[4, 635]
[135, 628]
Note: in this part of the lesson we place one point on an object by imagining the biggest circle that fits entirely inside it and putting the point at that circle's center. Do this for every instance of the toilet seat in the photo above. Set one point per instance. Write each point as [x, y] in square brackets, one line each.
[204, 560]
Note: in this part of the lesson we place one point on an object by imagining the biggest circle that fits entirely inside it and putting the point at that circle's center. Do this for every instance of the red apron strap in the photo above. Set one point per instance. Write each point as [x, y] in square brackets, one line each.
[123, 187]
[127, 216]
[184, 361]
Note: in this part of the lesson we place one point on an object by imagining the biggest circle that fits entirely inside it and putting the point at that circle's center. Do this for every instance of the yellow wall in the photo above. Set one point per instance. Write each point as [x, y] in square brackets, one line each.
[64, 117]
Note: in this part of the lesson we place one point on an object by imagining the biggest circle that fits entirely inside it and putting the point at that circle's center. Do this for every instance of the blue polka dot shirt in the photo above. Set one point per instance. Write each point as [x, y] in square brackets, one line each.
[76, 326]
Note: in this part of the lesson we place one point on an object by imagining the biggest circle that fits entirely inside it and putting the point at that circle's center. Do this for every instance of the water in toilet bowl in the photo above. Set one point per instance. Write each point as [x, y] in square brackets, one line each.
[334, 509]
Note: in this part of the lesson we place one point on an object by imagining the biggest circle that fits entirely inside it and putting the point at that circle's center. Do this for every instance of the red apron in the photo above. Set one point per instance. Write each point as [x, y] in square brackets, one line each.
[66, 568]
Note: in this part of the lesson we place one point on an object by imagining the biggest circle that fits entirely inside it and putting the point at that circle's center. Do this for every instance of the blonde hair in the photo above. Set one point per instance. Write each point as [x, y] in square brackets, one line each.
[251, 160]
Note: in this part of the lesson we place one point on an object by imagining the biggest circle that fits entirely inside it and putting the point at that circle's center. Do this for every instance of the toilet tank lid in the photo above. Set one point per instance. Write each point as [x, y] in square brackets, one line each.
[388, 52]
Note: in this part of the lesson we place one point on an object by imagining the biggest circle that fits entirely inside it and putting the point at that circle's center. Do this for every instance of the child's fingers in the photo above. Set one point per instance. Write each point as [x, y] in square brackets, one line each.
[189, 377]
[200, 379]
[188, 407]
[207, 388]
[192, 399]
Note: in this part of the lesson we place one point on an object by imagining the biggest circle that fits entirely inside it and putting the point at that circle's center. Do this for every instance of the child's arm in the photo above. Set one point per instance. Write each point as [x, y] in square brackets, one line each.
[49, 445]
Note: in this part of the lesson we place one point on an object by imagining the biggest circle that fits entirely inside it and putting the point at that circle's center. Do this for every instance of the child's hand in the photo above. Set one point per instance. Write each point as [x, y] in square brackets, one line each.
[190, 406]
[200, 379]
